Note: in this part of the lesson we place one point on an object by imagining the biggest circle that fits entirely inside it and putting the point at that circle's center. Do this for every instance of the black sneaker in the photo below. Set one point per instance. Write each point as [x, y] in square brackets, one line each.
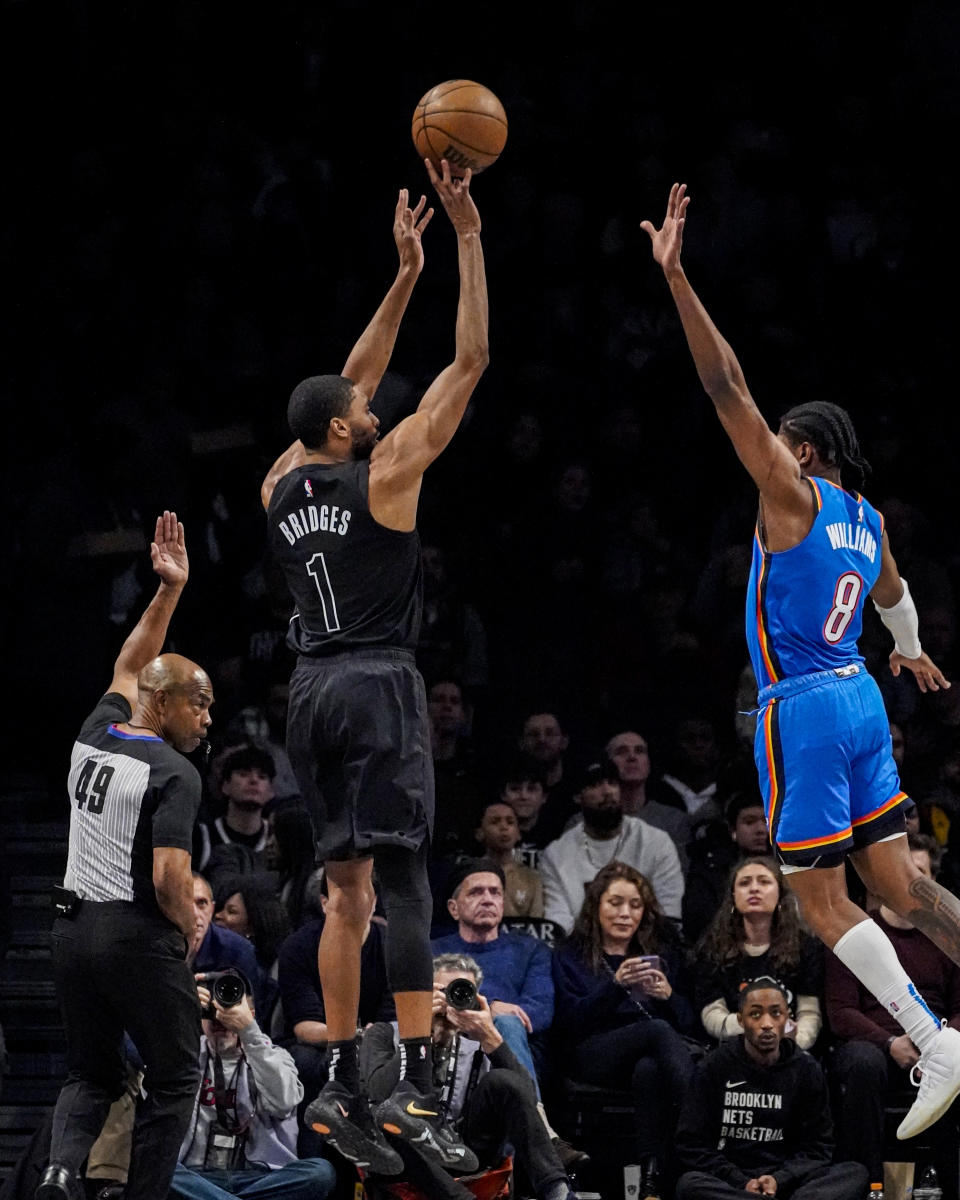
[409, 1114]
[343, 1119]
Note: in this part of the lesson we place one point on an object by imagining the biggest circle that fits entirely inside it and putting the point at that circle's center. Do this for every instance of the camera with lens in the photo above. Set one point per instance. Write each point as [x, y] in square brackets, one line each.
[462, 994]
[227, 988]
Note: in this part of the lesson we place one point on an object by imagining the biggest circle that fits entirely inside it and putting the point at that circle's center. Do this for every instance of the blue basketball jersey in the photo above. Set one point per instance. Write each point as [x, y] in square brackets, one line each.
[805, 604]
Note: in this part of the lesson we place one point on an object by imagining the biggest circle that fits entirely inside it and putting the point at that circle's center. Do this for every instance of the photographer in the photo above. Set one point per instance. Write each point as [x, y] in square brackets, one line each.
[485, 1093]
[242, 1136]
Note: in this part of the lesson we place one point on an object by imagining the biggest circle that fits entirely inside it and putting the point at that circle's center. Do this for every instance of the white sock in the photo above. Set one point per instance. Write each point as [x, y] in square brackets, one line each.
[869, 954]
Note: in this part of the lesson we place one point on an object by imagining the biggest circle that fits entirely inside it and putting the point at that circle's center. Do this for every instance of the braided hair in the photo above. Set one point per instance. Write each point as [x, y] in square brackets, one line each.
[829, 428]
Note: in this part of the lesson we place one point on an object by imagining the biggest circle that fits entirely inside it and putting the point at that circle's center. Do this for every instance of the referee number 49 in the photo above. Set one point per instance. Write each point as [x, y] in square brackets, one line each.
[92, 784]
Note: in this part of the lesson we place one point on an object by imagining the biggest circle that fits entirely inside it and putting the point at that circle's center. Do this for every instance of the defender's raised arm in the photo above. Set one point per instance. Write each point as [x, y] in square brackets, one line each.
[769, 462]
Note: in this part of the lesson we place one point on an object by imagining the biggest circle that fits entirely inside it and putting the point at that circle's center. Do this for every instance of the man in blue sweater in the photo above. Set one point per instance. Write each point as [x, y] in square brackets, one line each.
[517, 975]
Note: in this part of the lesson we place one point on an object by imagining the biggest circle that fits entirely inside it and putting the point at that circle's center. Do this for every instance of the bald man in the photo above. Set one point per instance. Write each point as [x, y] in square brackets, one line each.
[125, 912]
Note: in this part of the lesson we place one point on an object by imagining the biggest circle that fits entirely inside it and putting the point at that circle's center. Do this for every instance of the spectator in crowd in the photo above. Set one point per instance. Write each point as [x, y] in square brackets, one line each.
[516, 968]
[215, 947]
[523, 787]
[453, 639]
[693, 769]
[243, 1131]
[757, 931]
[494, 1107]
[606, 835]
[631, 753]
[249, 905]
[542, 737]
[456, 780]
[715, 852]
[291, 852]
[499, 835]
[246, 785]
[302, 1004]
[873, 1058]
[264, 724]
[757, 1117]
[619, 1017]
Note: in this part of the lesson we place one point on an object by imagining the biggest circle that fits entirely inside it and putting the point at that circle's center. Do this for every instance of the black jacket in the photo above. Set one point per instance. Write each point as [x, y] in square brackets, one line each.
[740, 1120]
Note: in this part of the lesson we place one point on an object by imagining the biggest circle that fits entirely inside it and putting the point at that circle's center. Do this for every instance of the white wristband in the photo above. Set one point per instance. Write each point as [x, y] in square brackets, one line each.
[902, 622]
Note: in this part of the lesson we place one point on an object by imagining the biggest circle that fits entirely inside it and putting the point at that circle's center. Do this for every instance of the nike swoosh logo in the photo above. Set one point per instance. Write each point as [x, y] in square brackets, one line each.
[729, 1083]
[419, 1112]
[343, 1111]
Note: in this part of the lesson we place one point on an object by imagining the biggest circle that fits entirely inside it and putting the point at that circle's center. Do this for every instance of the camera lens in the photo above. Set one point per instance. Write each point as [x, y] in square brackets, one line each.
[461, 994]
[228, 990]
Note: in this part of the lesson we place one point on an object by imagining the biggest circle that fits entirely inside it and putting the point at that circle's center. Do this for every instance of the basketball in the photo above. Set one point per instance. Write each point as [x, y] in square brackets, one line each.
[460, 121]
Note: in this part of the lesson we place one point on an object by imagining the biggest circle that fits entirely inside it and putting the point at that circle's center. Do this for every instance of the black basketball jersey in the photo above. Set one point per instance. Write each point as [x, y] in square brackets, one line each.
[356, 584]
[128, 793]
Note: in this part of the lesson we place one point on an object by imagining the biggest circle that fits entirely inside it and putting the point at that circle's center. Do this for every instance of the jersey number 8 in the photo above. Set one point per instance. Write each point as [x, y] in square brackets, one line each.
[845, 598]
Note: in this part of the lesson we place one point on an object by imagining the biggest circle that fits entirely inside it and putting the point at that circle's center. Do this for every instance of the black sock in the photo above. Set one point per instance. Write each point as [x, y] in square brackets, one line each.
[416, 1062]
[344, 1067]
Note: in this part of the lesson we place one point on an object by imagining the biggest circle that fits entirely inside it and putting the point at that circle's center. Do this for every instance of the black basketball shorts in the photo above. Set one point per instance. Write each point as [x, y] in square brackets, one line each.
[358, 738]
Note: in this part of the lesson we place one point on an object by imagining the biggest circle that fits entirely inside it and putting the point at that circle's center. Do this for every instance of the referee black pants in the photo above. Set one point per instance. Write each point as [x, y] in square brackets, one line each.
[120, 970]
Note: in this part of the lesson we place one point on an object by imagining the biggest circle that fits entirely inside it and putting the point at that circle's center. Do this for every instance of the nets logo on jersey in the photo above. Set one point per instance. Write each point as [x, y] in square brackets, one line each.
[308, 488]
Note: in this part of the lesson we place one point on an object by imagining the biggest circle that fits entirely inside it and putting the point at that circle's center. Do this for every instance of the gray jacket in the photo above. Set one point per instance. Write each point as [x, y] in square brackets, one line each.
[268, 1090]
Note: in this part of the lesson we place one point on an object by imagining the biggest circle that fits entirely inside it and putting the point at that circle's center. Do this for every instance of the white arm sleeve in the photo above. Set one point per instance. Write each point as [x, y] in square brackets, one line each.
[902, 622]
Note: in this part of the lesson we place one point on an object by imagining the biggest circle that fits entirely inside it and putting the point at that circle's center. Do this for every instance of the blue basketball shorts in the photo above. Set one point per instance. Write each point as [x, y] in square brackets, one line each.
[825, 767]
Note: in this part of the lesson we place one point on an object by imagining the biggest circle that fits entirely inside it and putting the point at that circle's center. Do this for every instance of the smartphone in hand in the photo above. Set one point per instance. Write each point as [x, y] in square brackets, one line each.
[652, 961]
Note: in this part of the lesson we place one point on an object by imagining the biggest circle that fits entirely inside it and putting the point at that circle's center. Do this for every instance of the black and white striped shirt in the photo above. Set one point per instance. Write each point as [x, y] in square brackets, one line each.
[128, 794]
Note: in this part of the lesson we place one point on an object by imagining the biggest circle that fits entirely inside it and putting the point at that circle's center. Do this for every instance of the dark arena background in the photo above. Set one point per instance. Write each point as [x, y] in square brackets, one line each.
[199, 201]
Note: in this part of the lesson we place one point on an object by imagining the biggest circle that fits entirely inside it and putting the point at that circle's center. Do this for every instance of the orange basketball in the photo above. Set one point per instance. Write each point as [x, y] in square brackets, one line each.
[460, 121]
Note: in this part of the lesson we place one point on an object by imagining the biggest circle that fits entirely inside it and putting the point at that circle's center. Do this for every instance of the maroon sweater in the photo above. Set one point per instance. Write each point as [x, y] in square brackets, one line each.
[853, 1011]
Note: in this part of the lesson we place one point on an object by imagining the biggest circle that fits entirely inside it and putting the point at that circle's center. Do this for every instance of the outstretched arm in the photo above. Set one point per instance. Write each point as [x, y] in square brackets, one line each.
[369, 358]
[371, 355]
[769, 462]
[892, 600]
[404, 454]
[168, 553]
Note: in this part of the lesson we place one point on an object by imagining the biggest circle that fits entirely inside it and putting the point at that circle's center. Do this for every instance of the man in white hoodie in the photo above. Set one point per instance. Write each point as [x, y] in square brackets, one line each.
[603, 835]
[242, 1137]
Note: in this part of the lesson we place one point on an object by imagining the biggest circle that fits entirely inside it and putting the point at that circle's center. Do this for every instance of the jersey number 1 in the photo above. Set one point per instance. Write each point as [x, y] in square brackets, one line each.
[317, 570]
[845, 598]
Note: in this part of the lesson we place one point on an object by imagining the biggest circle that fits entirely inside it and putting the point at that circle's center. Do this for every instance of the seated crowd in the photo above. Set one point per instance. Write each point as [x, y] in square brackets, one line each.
[592, 928]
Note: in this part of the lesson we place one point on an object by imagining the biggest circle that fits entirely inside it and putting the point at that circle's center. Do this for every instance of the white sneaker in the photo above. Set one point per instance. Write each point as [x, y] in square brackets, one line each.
[939, 1066]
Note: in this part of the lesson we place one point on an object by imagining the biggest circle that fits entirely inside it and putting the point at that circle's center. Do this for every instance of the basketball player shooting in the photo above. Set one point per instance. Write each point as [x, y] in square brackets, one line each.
[341, 513]
[823, 749]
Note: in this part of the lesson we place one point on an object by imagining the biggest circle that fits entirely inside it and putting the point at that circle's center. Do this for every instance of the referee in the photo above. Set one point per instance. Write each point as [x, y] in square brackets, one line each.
[125, 912]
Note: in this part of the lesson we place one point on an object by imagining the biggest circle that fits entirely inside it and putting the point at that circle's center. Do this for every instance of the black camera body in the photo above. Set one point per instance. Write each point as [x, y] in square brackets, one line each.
[227, 988]
[461, 994]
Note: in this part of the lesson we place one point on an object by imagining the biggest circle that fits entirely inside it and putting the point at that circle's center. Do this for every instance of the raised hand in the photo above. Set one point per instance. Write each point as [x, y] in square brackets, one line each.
[168, 552]
[408, 226]
[668, 239]
[455, 197]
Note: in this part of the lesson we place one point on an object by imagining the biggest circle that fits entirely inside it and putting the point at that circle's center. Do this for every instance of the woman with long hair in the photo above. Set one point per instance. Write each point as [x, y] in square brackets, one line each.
[619, 1013]
[758, 931]
[249, 905]
[291, 852]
